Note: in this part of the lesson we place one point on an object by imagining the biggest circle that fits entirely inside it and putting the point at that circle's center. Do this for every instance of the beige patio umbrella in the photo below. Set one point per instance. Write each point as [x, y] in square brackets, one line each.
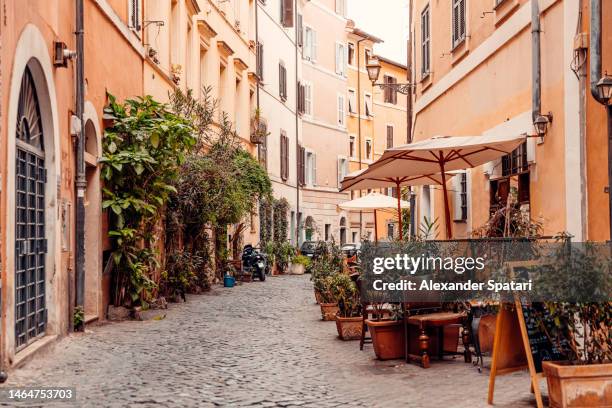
[441, 154]
[375, 201]
[362, 180]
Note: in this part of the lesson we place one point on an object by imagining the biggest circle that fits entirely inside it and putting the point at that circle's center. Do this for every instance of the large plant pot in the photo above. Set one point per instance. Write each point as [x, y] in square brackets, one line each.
[296, 269]
[387, 339]
[328, 311]
[317, 296]
[578, 385]
[349, 328]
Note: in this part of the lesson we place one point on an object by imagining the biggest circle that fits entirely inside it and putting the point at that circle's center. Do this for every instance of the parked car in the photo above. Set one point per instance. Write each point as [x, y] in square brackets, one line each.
[351, 249]
[309, 249]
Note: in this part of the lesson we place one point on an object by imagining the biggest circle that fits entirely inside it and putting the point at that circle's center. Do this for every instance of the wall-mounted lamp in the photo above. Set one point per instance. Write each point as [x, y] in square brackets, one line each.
[604, 88]
[541, 123]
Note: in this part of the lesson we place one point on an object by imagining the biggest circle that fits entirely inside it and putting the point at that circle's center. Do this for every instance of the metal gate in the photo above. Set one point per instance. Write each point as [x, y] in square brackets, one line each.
[30, 239]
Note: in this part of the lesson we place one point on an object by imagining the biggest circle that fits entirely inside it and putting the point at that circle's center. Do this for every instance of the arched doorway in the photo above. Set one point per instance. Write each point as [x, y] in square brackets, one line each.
[30, 231]
[93, 213]
[342, 230]
[309, 228]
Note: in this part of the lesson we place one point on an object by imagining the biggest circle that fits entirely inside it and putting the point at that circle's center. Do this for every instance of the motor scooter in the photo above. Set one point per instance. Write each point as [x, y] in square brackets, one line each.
[254, 261]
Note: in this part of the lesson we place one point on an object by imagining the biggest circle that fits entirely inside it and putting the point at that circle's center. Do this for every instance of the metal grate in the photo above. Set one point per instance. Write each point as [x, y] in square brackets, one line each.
[30, 240]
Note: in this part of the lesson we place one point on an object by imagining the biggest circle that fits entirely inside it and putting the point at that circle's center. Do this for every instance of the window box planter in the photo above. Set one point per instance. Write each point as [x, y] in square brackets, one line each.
[388, 338]
[349, 328]
[329, 311]
[578, 385]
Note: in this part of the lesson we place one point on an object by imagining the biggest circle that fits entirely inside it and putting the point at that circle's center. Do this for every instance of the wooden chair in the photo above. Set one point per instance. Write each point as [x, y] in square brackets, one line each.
[368, 311]
[431, 323]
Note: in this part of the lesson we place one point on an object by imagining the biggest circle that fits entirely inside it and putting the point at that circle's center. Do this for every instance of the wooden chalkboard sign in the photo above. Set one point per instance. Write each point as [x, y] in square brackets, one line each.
[520, 342]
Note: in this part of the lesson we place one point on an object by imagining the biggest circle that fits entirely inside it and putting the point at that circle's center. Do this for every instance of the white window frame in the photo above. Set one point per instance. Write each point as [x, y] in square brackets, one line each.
[136, 30]
[309, 49]
[457, 193]
[455, 42]
[310, 167]
[365, 55]
[341, 54]
[355, 56]
[343, 167]
[368, 107]
[426, 69]
[308, 101]
[340, 7]
[352, 91]
[341, 110]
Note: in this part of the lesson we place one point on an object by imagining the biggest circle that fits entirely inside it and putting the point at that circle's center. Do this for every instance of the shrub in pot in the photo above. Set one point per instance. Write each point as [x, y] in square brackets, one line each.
[348, 320]
[328, 304]
[582, 331]
[327, 263]
[298, 265]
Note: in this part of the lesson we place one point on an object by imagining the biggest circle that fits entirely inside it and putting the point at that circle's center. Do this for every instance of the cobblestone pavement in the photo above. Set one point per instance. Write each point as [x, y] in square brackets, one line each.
[258, 344]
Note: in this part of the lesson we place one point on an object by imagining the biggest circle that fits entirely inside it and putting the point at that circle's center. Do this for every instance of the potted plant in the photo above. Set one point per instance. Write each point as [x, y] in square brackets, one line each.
[298, 265]
[349, 322]
[581, 331]
[388, 337]
[328, 304]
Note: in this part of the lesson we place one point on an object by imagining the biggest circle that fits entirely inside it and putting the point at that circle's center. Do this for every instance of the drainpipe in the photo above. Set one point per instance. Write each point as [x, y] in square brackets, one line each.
[536, 73]
[409, 120]
[595, 63]
[297, 126]
[81, 182]
[359, 124]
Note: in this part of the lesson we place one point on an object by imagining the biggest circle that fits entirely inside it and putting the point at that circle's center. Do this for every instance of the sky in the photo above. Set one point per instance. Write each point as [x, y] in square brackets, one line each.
[386, 19]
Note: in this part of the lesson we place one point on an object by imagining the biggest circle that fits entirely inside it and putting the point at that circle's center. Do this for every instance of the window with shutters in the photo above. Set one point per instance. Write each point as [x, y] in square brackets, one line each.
[390, 93]
[341, 7]
[311, 168]
[352, 146]
[309, 51]
[260, 61]
[425, 42]
[302, 165]
[262, 148]
[515, 162]
[284, 155]
[286, 13]
[351, 54]
[308, 99]
[389, 136]
[341, 111]
[458, 22]
[282, 81]
[300, 30]
[352, 101]
[367, 56]
[342, 169]
[301, 104]
[367, 99]
[340, 59]
[368, 149]
[461, 199]
[134, 10]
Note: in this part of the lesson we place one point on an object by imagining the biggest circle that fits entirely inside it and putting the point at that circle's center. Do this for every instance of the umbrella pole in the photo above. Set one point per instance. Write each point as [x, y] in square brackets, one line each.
[449, 233]
[375, 228]
[399, 211]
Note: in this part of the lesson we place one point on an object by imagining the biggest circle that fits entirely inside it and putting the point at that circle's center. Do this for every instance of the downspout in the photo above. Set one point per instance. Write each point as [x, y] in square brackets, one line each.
[595, 64]
[536, 70]
[297, 126]
[81, 182]
[359, 123]
[409, 118]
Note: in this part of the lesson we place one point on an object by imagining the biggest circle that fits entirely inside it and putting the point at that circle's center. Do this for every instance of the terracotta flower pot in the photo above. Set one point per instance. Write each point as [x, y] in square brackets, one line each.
[578, 385]
[349, 328]
[317, 296]
[387, 339]
[296, 269]
[328, 311]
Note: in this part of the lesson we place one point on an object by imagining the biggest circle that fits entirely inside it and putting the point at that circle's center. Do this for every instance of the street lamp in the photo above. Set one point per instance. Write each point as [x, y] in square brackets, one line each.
[604, 89]
[373, 68]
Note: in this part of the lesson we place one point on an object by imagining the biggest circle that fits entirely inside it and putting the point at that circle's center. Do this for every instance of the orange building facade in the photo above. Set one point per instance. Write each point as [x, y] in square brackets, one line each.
[472, 65]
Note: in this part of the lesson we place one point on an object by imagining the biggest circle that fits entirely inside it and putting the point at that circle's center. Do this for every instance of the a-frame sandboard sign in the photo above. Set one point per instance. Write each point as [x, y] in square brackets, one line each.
[509, 348]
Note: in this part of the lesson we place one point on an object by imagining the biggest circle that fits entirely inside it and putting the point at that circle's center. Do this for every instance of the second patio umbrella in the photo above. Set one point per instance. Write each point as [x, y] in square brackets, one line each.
[441, 154]
[362, 180]
[374, 201]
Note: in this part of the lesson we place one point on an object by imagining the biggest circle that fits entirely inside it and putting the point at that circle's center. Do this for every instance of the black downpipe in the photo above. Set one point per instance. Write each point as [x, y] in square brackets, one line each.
[595, 63]
[81, 182]
[359, 125]
[297, 126]
[536, 70]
